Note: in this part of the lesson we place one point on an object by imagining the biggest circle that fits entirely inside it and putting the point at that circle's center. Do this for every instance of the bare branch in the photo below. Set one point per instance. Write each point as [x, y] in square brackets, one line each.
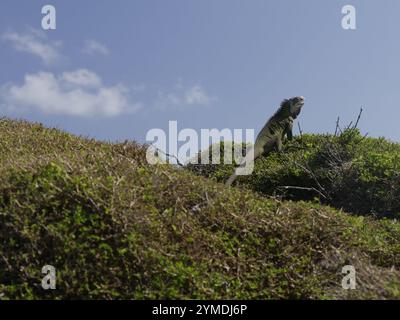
[171, 156]
[302, 188]
[311, 174]
[358, 118]
[337, 129]
[300, 131]
[349, 125]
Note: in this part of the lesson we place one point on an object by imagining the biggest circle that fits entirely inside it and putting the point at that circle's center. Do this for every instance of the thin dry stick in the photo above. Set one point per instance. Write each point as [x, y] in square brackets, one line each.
[302, 188]
[311, 174]
[171, 156]
[300, 131]
[349, 126]
[358, 118]
[337, 127]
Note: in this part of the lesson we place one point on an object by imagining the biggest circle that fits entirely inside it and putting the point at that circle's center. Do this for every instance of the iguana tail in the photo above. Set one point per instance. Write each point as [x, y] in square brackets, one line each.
[231, 179]
[251, 155]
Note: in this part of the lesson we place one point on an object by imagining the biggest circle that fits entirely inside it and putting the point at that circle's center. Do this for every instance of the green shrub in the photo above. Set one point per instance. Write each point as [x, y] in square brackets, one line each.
[357, 174]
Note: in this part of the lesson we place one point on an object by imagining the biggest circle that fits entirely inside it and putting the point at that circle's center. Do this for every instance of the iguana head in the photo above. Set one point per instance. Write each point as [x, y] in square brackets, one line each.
[292, 106]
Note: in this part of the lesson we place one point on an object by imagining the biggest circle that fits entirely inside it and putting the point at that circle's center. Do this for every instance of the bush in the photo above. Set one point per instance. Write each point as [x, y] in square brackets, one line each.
[357, 174]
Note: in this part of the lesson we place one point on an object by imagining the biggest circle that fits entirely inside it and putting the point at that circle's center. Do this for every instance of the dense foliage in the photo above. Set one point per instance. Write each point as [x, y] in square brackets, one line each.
[348, 171]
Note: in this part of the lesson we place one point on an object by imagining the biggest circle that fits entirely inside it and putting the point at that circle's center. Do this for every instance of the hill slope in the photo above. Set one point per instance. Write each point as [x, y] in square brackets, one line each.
[115, 227]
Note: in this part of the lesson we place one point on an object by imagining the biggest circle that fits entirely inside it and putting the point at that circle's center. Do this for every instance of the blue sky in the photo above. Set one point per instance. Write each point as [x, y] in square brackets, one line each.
[113, 70]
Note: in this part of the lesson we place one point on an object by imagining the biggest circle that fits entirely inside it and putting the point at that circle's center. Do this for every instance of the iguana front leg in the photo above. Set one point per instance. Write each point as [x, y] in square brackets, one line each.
[289, 130]
[279, 144]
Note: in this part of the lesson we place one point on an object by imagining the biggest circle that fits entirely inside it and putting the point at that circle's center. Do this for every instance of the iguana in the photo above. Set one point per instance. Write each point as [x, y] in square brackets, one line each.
[272, 135]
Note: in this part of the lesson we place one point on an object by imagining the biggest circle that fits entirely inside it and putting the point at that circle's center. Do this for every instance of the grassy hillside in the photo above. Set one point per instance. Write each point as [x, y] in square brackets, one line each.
[115, 227]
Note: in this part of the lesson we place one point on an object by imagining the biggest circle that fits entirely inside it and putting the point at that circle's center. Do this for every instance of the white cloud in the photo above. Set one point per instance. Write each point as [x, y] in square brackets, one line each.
[183, 96]
[82, 77]
[196, 95]
[92, 47]
[78, 93]
[36, 43]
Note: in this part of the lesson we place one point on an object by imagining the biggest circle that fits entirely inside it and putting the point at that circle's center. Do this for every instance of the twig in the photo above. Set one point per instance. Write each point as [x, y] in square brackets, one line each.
[337, 127]
[171, 156]
[356, 123]
[300, 131]
[312, 175]
[303, 188]
[358, 118]
[306, 169]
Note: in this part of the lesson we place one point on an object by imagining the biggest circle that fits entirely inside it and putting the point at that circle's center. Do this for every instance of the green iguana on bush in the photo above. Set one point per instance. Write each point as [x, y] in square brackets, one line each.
[272, 135]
